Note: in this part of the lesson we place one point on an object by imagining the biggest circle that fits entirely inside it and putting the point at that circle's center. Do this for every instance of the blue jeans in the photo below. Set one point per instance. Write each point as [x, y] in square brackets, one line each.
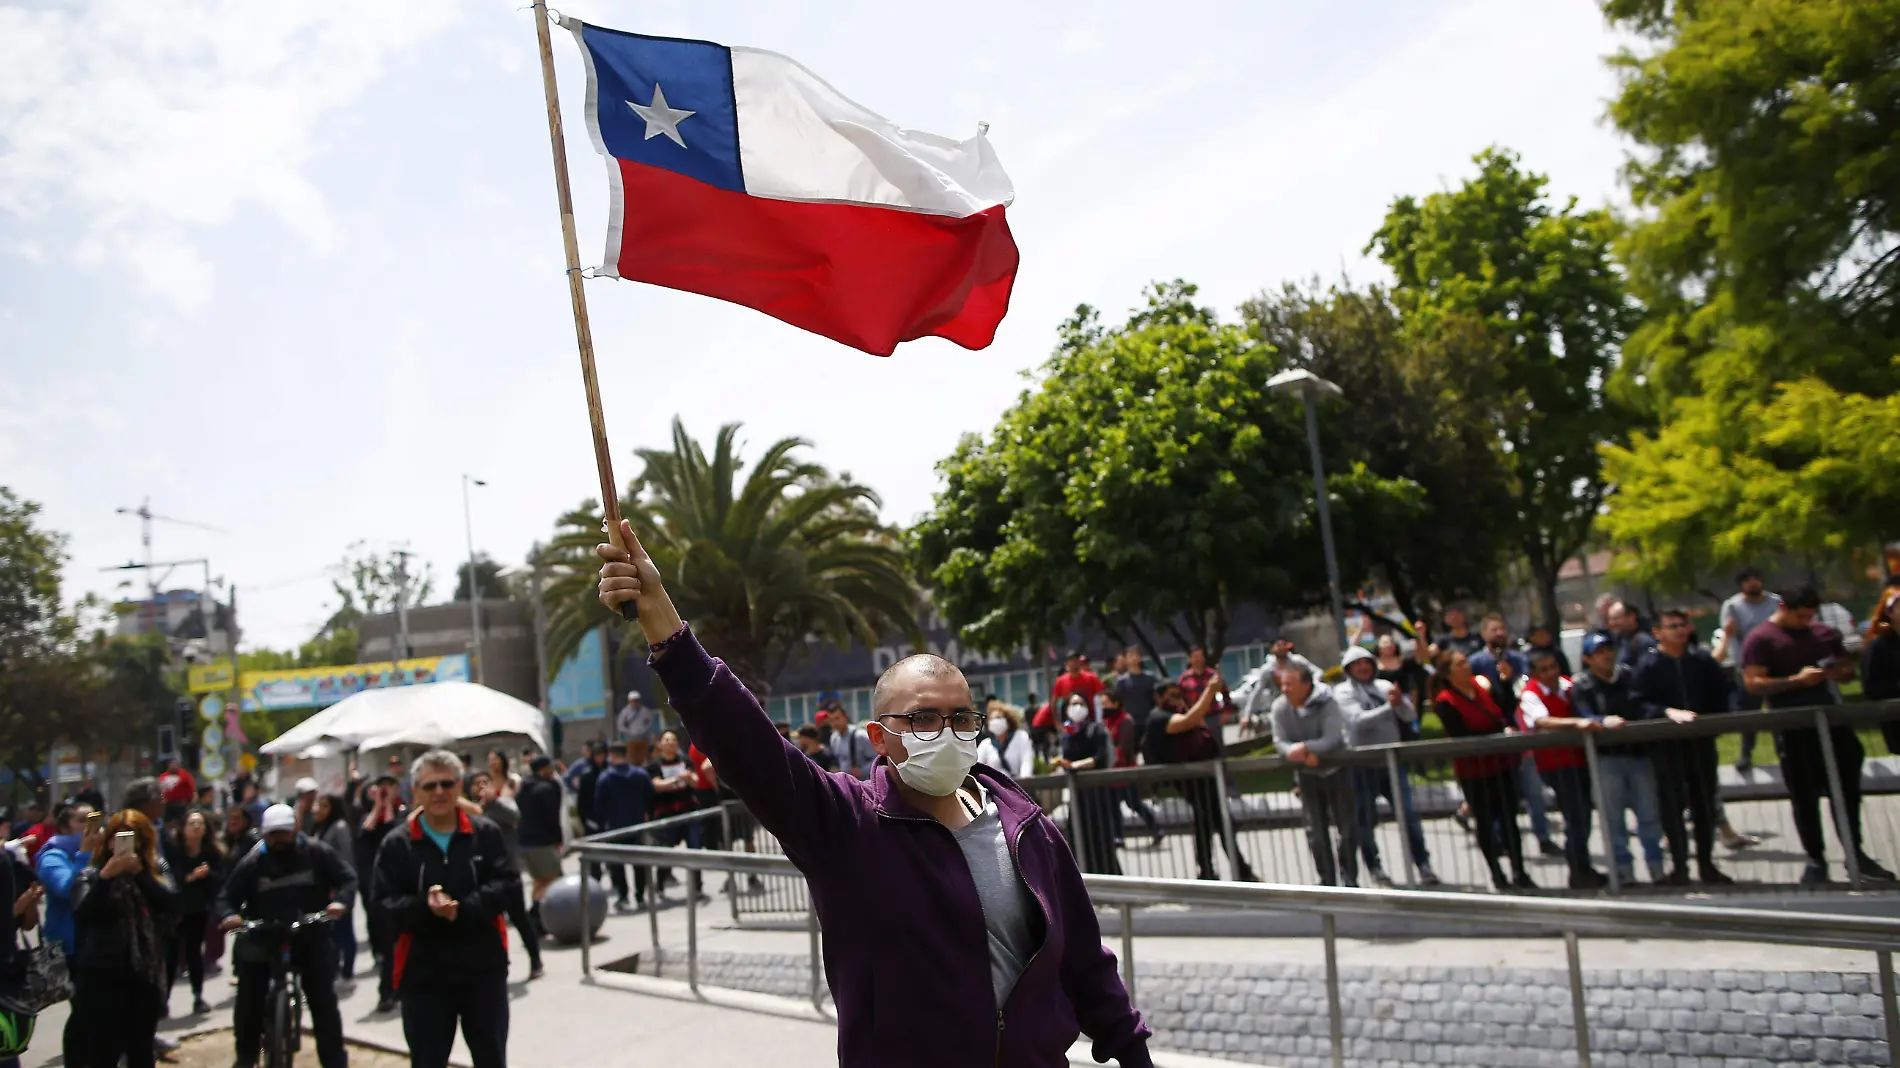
[1629, 783]
[1370, 784]
[1532, 787]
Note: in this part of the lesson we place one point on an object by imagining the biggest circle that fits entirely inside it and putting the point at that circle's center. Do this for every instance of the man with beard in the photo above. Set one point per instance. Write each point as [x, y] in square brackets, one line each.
[292, 876]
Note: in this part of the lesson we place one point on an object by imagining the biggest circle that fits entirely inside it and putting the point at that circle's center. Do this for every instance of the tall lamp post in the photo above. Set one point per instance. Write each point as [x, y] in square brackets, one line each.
[1310, 385]
[474, 594]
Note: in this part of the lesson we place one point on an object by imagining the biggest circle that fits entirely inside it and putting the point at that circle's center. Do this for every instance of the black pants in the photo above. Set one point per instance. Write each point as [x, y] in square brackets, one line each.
[1572, 787]
[1205, 802]
[382, 942]
[1329, 806]
[1685, 781]
[314, 957]
[517, 908]
[1804, 769]
[1094, 831]
[1494, 800]
[188, 942]
[430, 1012]
[118, 1013]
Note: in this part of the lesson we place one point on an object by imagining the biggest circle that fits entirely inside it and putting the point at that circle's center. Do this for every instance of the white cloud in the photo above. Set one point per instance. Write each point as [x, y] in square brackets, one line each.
[147, 122]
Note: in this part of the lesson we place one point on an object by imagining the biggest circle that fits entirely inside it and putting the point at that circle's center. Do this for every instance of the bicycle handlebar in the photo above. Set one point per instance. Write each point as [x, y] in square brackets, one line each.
[307, 920]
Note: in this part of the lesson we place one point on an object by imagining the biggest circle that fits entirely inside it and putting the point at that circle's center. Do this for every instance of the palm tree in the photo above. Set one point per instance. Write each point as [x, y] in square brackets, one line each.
[790, 554]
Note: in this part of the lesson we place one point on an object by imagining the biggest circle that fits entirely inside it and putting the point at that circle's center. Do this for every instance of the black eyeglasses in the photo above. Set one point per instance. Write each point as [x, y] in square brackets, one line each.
[926, 724]
[436, 784]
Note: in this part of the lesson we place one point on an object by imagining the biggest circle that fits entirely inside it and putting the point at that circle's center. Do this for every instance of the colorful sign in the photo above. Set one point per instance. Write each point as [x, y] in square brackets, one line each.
[211, 765]
[578, 692]
[205, 678]
[322, 687]
[213, 736]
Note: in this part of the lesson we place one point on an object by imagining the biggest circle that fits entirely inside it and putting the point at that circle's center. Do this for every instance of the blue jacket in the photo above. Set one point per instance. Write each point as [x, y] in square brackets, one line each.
[622, 796]
[58, 867]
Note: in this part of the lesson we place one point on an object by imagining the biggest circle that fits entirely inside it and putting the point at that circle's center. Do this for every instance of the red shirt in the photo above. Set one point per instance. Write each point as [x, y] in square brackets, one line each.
[708, 779]
[1556, 704]
[1086, 683]
[177, 787]
[1193, 683]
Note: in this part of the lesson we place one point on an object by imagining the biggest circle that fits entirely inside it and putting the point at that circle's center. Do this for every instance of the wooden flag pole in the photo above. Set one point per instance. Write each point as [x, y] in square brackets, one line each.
[603, 458]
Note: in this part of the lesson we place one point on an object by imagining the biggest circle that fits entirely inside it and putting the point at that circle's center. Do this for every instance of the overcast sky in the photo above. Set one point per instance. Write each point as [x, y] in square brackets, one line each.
[291, 269]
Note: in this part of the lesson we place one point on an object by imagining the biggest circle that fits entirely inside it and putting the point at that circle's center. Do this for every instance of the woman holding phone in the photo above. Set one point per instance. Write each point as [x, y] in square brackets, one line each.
[121, 907]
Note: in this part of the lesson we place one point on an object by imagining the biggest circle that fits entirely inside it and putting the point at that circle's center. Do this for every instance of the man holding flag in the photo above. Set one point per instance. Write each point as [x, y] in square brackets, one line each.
[956, 927]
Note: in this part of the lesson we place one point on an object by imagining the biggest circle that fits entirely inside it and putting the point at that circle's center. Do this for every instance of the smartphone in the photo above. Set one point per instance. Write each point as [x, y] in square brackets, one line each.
[95, 822]
[122, 843]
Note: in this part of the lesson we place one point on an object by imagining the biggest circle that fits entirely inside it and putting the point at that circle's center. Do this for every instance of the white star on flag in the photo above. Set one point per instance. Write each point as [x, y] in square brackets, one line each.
[660, 118]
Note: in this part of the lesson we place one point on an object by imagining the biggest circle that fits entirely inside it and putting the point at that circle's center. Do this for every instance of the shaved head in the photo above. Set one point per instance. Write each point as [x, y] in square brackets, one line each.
[911, 673]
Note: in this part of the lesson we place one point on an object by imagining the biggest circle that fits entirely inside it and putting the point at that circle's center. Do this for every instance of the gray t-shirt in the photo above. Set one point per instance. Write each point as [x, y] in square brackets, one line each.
[1006, 900]
[1746, 616]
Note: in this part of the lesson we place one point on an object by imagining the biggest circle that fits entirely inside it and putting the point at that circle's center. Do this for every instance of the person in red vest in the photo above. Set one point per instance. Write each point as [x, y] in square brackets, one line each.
[1489, 782]
[1545, 706]
[177, 789]
[1076, 678]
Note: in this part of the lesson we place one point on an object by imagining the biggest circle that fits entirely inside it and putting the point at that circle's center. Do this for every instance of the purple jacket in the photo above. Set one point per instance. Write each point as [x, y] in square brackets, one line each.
[906, 952]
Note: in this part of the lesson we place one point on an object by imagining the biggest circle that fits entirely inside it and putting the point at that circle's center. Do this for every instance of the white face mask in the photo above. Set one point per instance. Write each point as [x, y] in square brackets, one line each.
[999, 726]
[1078, 714]
[937, 766]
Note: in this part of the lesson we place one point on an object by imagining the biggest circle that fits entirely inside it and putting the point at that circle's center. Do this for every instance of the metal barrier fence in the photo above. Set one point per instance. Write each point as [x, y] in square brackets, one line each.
[1477, 812]
[1574, 917]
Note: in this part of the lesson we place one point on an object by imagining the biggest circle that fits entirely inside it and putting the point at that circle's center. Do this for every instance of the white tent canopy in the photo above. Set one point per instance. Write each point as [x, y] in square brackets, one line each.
[436, 713]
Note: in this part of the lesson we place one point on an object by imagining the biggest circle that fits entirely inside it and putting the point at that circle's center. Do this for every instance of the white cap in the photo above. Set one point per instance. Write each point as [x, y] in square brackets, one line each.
[280, 818]
[306, 785]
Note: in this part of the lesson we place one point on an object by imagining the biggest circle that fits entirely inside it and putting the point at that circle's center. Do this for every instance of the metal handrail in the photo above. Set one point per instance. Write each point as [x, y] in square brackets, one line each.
[1374, 756]
[1574, 916]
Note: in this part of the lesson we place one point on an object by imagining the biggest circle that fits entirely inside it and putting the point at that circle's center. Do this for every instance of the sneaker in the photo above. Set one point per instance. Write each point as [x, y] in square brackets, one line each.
[1499, 880]
[1156, 843]
[1735, 839]
[754, 884]
[1523, 881]
[1744, 765]
[386, 1006]
[1710, 875]
[1869, 869]
[1549, 848]
[1815, 874]
[623, 905]
[1626, 878]
[1676, 877]
[1382, 879]
[1588, 879]
[1428, 877]
[536, 972]
[200, 1007]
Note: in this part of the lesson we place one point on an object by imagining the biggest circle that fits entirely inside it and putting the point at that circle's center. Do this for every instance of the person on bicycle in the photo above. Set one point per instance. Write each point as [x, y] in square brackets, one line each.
[286, 878]
[445, 880]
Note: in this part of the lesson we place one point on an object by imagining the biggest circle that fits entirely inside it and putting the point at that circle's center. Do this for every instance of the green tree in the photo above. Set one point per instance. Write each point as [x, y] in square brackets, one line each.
[760, 560]
[30, 560]
[1768, 255]
[1403, 418]
[487, 578]
[1495, 255]
[1148, 481]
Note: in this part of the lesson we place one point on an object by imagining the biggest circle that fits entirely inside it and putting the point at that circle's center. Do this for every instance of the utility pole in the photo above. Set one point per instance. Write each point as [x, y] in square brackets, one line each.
[474, 591]
[401, 651]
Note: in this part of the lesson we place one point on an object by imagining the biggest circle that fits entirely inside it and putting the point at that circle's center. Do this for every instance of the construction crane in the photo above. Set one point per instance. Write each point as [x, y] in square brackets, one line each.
[146, 518]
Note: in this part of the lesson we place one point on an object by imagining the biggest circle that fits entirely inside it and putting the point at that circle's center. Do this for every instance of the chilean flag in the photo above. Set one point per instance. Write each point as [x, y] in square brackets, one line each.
[738, 174]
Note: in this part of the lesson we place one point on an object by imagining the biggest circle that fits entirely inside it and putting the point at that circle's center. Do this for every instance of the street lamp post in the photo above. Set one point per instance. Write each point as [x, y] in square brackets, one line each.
[474, 594]
[1309, 384]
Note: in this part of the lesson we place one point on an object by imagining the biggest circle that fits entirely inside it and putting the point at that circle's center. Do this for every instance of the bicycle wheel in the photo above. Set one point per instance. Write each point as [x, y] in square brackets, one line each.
[280, 1040]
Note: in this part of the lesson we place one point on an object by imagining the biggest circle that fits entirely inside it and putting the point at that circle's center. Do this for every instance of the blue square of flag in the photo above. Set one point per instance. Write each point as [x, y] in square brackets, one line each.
[666, 102]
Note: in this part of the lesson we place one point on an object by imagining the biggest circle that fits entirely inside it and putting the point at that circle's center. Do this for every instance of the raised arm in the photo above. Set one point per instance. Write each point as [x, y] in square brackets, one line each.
[804, 806]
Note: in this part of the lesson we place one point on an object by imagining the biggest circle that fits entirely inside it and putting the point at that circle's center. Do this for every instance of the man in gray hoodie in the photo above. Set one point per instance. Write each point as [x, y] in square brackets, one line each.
[1374, 709]
[1308, 727]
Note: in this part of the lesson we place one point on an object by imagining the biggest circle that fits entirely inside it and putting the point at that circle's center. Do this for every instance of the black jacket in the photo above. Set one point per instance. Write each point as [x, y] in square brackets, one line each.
[369, 844]
[1880, 668]
[195, 897]
[268, 886]
[97, 932]
[1594, 698]
[539, 800]
[1693, 681]
[477, 872]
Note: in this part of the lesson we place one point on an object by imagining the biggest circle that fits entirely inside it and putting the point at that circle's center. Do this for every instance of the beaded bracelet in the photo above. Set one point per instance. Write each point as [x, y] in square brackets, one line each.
[654, 651]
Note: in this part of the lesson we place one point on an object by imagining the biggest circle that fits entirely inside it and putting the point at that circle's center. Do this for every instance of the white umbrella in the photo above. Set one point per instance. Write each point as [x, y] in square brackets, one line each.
[435, 713]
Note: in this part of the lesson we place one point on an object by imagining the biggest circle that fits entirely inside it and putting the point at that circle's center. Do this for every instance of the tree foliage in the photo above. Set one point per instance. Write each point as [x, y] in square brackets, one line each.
[760, 560]
[1149, 481]
[1403, 417]
[1769, 259]
[487, 578]
[1494, 258]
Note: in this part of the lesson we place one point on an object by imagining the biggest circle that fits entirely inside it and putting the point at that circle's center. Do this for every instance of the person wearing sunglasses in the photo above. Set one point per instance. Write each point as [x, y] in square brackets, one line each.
[444, 881]
[956, 927]
[291, 876]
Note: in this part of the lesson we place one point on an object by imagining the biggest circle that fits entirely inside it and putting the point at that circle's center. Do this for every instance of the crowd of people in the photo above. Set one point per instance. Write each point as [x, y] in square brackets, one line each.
[1768, 651]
